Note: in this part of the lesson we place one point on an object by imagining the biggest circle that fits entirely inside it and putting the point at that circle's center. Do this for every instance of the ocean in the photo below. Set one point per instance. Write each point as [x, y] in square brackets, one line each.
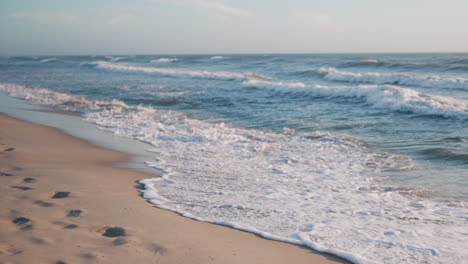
[364, 156]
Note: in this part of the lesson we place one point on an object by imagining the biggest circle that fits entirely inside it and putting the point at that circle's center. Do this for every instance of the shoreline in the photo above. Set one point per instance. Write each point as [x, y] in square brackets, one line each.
[106, 196]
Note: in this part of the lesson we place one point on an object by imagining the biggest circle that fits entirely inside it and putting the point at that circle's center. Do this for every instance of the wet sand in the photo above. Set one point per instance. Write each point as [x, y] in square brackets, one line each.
[63, 201]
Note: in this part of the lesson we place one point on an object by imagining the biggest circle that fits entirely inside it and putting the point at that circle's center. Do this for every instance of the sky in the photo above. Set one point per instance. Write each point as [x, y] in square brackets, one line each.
[75, 27]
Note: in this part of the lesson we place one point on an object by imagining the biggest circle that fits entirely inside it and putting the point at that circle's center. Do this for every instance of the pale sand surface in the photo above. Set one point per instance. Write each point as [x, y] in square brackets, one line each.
[108, 197]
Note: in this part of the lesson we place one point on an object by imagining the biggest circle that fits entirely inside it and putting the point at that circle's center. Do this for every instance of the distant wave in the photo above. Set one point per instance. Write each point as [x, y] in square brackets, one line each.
[381, 96]
[111, 58]
[459, 68]
[460, 61]
[164, 60]
[178, 72]
[49, 59]
[446, 154]
[392, 65]
[368, 62]
[220, 75]
[217, 58]
[433, 81]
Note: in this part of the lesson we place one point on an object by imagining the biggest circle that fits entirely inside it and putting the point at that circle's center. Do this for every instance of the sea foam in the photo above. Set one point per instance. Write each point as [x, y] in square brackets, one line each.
[164, 60]
[380, 96]
[315, 189]
[217, 58]
[432, 81]
[178, 72]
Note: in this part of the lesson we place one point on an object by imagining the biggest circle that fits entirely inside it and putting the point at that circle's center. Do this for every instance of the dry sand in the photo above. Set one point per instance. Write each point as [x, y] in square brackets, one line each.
[38, 161]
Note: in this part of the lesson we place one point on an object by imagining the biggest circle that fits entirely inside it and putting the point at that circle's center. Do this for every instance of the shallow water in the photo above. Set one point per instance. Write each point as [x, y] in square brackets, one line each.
[364, 156]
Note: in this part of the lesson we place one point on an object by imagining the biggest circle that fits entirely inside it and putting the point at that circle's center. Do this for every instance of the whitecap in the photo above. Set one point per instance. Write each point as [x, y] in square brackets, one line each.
[428, 81]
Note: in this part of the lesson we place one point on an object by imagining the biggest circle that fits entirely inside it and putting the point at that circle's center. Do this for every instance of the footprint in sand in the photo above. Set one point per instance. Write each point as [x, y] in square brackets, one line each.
[23, 188]
[22, 221]
[43, 204]
[66, 225]
[60, 195]
[114, 232]
[88, 256]
[38, 240]
[74, 213]
[6, 249]
[9, 149]
[29, 180]
[71, 226]
[119, 241]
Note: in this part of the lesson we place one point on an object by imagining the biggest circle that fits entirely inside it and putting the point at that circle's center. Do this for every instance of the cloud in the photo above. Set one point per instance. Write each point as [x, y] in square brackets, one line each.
[57, 17]
[318, 21]
[120, 19]
[219, 8]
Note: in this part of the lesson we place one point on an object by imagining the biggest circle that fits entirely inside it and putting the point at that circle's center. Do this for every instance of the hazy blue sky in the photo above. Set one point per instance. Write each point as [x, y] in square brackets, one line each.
[48, 27]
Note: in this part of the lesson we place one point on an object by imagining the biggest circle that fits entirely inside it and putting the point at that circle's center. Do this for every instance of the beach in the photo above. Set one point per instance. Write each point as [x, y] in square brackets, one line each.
[63, 200]
[362, 156]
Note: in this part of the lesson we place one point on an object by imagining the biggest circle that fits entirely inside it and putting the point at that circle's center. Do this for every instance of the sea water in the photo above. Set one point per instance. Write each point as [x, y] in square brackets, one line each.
[360, 155]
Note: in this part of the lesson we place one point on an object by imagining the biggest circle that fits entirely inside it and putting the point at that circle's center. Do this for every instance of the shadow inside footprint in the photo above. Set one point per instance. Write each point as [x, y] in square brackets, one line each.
[158, 249]
[59, 195]
[38, 240]
[23, 188]
[29, 180]
[114, 232]
[26, 227]
[72, 226]
[5, 174]
[44, 204]
[119, 241]
[74, 213]
[9, 149]
[20, 221]
[88, 256]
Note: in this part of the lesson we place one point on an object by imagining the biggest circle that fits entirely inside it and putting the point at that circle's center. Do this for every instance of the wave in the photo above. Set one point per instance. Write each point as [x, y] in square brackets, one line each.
[219, 75]
[314, 189]
[164, 60]
[446, 154]
[64, 101]
[459, 61]
[49, 59]
[218, 58]
[463, 68]
[386, 96]
[388, 64]
[111, 58]
[178, 72]
[334, 74]
[368, 62]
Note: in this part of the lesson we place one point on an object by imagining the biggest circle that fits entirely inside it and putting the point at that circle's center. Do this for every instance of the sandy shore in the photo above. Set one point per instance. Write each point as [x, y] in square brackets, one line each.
[62, 201]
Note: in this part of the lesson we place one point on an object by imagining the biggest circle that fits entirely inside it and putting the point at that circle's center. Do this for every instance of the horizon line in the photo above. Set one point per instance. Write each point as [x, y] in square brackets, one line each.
[235, 53]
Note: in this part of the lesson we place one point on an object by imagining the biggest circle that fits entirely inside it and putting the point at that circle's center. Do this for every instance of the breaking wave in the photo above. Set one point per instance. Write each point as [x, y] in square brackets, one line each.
[217, 58]
[316, 189]
[220, 75]
[177, 72]
[381, 96]
[164, 60]
[334, 74]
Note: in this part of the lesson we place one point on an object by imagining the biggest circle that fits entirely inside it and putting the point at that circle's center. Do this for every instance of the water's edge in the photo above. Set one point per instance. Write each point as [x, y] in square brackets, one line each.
[73, 125]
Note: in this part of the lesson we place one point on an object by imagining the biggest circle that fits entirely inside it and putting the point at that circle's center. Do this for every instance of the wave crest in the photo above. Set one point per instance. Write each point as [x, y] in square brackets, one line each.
[179, 72]
[334, 74]
[385, 96]
[164, 60]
